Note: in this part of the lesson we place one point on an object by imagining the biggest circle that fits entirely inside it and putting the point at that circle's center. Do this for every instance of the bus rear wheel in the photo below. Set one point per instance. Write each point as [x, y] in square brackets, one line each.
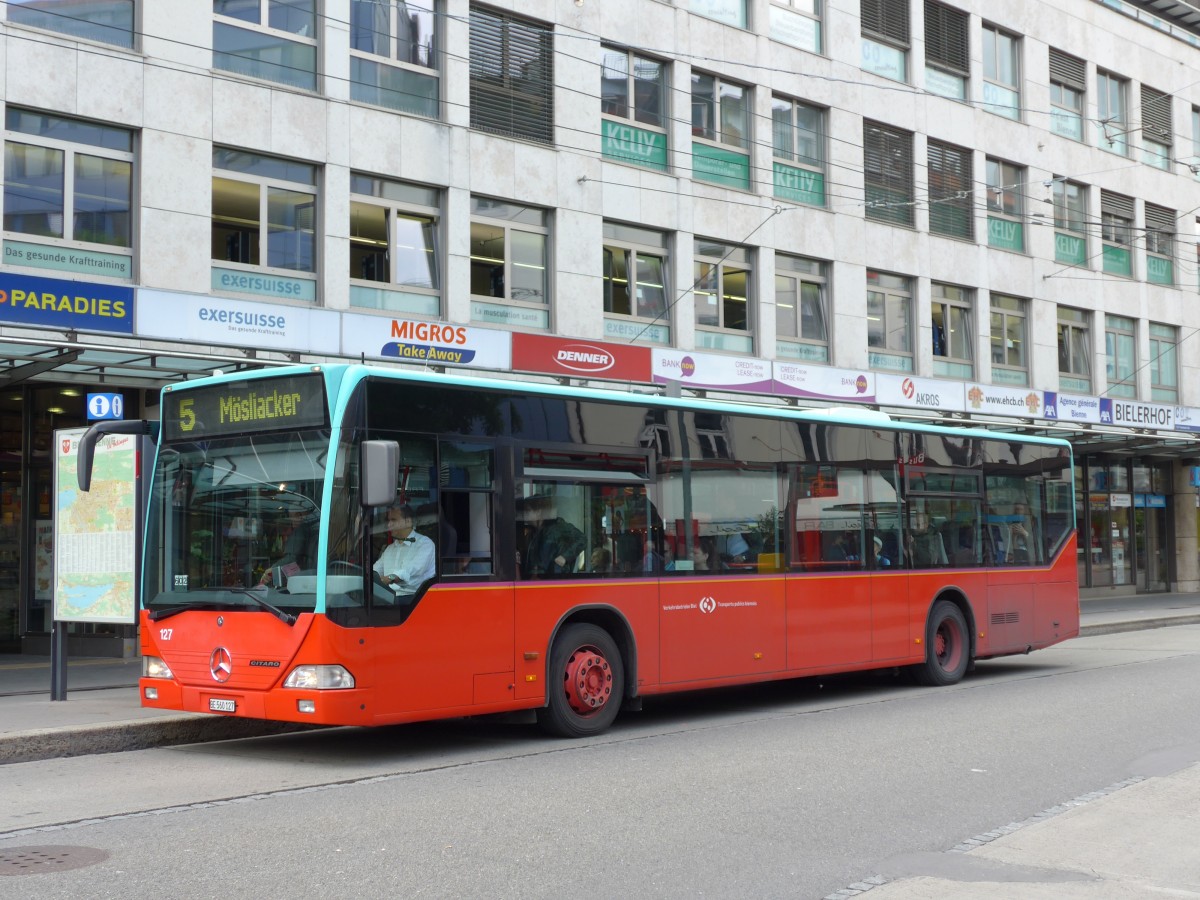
[947, 646]
[587, 682]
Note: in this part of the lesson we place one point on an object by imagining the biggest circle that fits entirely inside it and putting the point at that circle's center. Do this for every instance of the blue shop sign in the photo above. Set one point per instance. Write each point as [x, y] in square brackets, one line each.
[74, 305]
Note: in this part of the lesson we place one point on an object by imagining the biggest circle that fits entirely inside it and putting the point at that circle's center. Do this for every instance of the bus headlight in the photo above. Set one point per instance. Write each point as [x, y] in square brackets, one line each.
[153, 667]
[320, 678]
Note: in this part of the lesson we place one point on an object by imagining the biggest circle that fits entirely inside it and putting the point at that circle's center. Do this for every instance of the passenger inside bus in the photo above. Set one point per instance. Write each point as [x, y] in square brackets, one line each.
[704, 556]
[553, 547]
[844, 547]
[924, 546]
[601, 560]
[737, 549]
[1020, 535]
[409, 560]
[882, 561]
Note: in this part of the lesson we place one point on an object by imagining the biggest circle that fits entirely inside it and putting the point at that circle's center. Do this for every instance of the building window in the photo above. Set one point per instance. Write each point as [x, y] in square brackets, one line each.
[1112, 107]
[720, 131]
[510, 257]
[951, 191]
[1001, 72]
[68, 181]
[263, 201]
[1074, 350]
[801, 310]
[888, 158]
[889, 322]
[1116, 233]
[1070, 222]
[947, 51]
[106, 21]
[393, 55]
[635, 284]
[1120, 355]
[1164, 375]
[1160, 244]
[798, 142]
[1194, 165]
[731, 12]
[952, 332]
[1006, 205]
[1157, 136]
[885, 38]
[723, 282]
[274, 40]
[1068, 77]
[797, 22]
[394, 242]
[633, 90]
[1009, 360]
[512, 76]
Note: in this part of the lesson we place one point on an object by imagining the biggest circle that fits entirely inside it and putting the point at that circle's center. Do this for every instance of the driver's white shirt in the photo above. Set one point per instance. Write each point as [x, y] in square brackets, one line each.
[411, 560]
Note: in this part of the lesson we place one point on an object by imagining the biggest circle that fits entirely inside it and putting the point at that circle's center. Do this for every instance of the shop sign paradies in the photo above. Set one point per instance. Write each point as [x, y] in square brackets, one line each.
[73, 305]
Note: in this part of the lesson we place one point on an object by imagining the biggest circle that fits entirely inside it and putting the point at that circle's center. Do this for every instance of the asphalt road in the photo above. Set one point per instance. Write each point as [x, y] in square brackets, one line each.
[787, 790]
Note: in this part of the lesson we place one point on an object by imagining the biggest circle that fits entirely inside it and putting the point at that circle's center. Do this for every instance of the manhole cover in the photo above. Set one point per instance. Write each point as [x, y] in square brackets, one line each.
[34, 860]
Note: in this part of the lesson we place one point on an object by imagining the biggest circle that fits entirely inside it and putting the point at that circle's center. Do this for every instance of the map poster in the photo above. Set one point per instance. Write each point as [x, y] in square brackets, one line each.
[95, 559]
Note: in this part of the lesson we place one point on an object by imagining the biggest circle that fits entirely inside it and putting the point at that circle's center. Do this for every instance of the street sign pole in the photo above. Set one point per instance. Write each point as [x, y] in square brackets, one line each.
[58, 661]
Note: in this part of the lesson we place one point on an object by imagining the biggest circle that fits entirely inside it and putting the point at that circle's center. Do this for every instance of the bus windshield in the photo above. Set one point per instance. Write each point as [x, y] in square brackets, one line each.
[235, 522]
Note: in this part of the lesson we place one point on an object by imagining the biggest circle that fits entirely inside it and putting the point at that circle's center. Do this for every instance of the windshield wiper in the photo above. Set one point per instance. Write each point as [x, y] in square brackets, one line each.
[285, 618]
[166, 613]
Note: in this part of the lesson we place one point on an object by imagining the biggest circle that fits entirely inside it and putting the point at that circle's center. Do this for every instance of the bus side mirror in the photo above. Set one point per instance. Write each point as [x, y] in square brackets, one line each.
[87, 444]
[379, 465]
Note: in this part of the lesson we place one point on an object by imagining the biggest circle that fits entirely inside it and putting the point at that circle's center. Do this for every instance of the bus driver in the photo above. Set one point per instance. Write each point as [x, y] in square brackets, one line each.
[409, 559]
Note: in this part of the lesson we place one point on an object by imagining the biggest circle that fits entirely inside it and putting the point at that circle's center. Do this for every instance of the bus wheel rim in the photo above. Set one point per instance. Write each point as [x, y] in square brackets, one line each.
[948, 644]
[588, 681]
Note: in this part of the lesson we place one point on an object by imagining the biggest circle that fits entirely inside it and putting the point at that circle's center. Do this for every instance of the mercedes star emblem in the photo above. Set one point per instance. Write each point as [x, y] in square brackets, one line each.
[220, 664]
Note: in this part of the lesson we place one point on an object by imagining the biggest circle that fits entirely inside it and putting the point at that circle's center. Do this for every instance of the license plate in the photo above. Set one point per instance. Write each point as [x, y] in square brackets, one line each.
[217, 705]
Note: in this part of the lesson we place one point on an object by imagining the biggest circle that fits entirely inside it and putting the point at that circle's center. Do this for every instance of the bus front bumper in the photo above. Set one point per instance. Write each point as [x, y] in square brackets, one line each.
[335, 707]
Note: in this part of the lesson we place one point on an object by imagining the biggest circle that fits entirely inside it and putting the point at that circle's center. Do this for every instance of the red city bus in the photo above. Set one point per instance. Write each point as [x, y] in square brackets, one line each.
[360, 546]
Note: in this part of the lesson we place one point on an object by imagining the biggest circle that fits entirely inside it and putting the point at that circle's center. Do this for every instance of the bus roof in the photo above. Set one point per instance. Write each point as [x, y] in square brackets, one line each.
[341, 378]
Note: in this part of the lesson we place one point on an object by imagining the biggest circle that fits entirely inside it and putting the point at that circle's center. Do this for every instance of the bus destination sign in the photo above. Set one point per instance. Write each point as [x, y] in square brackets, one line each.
[238, 407]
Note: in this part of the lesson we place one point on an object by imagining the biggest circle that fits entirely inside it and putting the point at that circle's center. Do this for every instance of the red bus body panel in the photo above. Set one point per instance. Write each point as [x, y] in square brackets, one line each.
[470, 649]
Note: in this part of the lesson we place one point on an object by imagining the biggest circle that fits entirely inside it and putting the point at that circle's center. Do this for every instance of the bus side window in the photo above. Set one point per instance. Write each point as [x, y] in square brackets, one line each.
[465, 483]
[555, 512]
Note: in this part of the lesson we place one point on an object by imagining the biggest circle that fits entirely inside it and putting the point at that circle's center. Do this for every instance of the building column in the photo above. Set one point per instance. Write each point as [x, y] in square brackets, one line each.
[1187, 563]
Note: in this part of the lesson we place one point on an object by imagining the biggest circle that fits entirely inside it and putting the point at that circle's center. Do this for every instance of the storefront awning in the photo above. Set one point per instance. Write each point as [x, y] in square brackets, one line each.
[100, 363]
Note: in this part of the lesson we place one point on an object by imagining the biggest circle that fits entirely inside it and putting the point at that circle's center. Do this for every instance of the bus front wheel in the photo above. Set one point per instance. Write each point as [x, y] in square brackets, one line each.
[947, 646]
[587, 681]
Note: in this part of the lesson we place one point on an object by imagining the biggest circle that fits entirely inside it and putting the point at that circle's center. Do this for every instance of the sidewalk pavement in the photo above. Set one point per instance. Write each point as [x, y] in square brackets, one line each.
[1133, 839]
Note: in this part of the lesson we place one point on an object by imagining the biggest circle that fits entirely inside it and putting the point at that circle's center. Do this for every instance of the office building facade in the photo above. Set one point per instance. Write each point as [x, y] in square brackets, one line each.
[968, 211]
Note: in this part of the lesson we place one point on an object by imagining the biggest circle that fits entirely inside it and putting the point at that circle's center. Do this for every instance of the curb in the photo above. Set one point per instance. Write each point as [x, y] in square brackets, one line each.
[67, 741]
[1138, 624]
